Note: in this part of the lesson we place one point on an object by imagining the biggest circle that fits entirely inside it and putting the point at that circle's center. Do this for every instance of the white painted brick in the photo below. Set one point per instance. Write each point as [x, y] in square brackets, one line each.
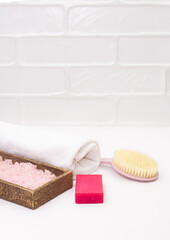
[31, 19]
[36, 23]
[168, 80]
[125, 19]
[9, 110]
[55, 110]
[32, 80]
[64, 2]
[95, 80]
[140, 50]
[153, 110]
[7, 51]
[147, 1]
[44, 50]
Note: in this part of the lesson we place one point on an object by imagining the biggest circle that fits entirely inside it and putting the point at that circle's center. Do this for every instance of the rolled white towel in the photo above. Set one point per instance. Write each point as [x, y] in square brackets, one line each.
[79, 154]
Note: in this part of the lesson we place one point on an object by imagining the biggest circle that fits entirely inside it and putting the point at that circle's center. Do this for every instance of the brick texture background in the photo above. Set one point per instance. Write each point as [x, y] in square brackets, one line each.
[80, 62]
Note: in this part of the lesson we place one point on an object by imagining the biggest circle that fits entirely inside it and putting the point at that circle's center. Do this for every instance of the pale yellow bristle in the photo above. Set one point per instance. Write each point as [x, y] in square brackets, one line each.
[135, 163]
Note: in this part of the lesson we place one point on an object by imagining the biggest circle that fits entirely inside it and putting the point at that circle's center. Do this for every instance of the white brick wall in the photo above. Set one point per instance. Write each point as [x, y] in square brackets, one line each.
[168, 80]
[69, 50]
[119, 19]
[29, 80]
[95, 62]
[76, 111]
[144, 50]
[9, 109]
[8, 51]
[29, 20]
[144, 109]
[115, 80]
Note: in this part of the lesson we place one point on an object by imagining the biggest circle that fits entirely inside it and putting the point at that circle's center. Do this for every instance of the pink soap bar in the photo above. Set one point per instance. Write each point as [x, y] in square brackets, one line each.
[89, 189]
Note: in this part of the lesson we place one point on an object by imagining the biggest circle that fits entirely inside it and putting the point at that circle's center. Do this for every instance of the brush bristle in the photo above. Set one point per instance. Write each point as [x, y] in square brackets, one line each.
[135, 163]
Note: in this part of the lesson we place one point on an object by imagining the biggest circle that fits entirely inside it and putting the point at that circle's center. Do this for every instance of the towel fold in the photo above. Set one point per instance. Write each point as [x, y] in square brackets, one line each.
[79, 154]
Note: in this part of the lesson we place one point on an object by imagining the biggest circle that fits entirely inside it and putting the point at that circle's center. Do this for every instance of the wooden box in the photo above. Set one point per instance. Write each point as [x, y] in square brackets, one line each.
[37, 197]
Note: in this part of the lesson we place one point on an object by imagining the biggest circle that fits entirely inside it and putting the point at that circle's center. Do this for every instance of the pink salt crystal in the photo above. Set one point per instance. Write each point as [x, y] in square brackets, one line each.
[9, 161]
[24, 174]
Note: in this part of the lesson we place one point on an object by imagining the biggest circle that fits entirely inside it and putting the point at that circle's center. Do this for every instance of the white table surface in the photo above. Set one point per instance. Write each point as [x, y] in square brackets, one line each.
[131, 210]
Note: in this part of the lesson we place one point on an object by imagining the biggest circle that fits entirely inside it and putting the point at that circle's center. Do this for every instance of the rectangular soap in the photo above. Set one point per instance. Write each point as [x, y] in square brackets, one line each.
[89, 189]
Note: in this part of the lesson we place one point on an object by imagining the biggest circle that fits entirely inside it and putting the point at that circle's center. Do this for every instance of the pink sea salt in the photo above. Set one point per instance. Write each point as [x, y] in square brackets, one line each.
[24, 174]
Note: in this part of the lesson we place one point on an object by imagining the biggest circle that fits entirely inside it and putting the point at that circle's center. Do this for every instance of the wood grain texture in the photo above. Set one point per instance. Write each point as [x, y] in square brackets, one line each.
[35, 198]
